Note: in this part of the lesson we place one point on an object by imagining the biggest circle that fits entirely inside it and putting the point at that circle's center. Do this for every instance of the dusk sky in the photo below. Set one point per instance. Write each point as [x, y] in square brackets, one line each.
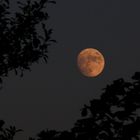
[51, 95]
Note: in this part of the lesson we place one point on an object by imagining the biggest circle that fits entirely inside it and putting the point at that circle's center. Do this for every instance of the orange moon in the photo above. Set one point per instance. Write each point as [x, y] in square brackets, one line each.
[90, 62]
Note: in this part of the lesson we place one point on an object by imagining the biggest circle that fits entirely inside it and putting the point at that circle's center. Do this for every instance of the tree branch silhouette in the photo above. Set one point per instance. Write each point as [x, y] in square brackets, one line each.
[24, 37]
[115, 115]
[24, 40]
[8, 133]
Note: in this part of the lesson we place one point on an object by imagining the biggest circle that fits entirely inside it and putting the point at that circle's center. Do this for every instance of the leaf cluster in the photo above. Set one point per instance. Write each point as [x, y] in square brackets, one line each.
[8, 133]
[24, 37]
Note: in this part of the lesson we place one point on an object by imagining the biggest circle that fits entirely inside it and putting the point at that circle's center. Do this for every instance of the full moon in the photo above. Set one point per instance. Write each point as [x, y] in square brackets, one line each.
[90, 62]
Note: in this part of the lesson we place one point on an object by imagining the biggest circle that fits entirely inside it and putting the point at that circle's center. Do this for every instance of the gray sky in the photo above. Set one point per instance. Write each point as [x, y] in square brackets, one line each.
[51, 95]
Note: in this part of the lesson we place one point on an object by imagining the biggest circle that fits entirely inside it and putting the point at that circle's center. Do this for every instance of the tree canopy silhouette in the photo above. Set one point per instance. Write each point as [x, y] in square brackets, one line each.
[7, 133]
[24, 36]
[115, 115]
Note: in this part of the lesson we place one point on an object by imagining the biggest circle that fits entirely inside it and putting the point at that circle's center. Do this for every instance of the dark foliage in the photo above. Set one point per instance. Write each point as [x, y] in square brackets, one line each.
[54, 135]
[24, 37]
[115, 115]
[46, 135]
[7, 133]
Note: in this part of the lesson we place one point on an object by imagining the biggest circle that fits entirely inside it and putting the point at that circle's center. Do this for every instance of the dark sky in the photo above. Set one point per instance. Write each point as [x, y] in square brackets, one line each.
[51, 95]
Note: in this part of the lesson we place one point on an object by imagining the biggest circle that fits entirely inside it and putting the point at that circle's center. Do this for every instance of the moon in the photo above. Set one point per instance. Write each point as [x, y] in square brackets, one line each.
[90, 62]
